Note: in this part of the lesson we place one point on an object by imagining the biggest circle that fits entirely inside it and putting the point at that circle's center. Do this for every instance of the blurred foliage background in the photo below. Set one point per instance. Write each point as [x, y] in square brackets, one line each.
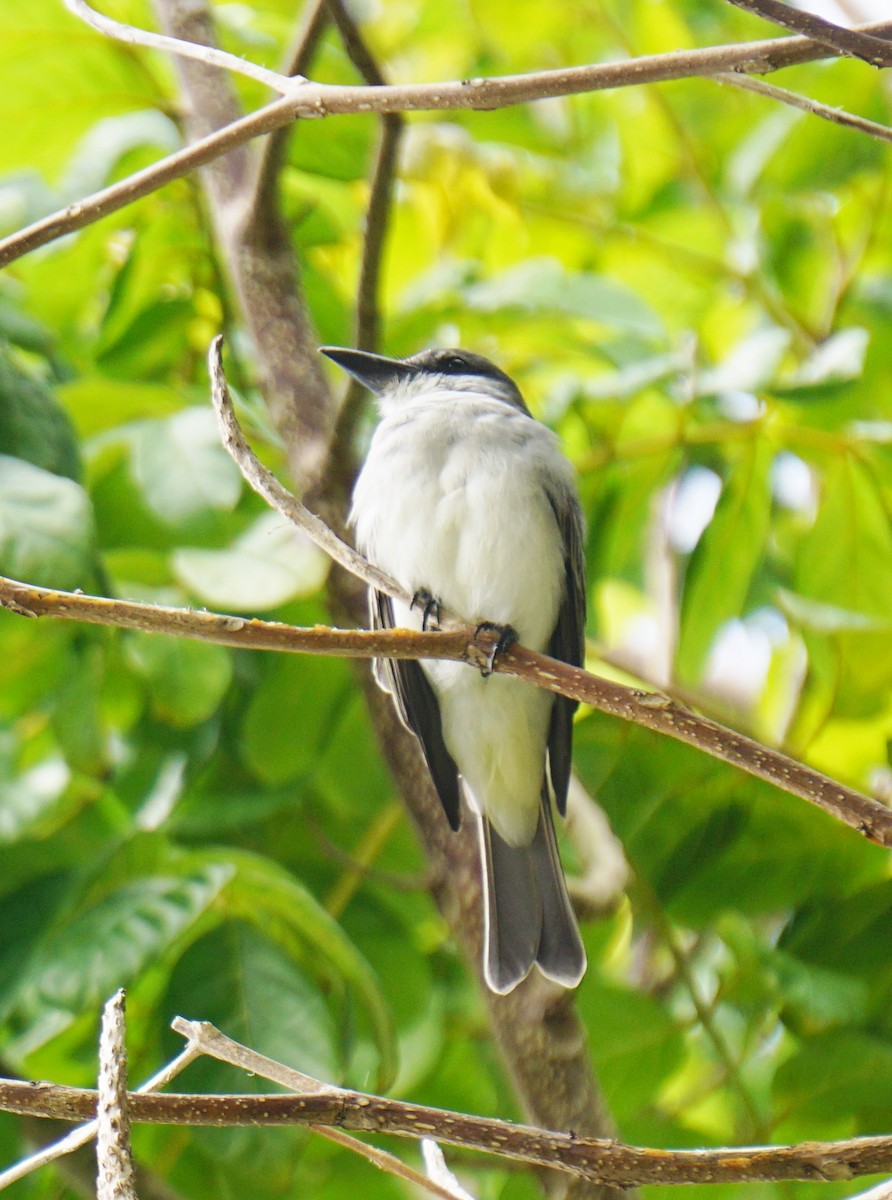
[694, 287]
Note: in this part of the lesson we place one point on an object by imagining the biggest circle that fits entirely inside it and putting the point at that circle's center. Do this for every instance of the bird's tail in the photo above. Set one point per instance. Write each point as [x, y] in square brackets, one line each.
[528, 915]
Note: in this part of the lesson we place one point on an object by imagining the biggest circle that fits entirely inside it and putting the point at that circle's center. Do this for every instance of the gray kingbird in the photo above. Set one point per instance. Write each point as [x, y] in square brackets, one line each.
[468, 502]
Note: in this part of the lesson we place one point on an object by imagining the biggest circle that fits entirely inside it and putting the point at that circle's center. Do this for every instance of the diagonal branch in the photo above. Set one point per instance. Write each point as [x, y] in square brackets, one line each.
[206, 1039]
[209, 55]
[600, 1160]
[278, 497]
[272, 152]
[853, 43]
[650, 710]
[838, 116]
[322, 100]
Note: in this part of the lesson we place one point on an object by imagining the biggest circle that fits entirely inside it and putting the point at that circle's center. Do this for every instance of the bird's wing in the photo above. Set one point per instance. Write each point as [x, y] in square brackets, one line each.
[418, 708]
[568, 640]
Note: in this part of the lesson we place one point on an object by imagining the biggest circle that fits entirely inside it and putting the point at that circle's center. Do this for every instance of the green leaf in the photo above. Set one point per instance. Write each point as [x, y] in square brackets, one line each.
[846, 934]
[846, 558]
[267, 897]
[77, 720]
[543, 285]
[106, 947]
[291, 716]
[721, 569]
[827, 618]
[186, 680]
[638, 1045]
[181, 467]
[750, 364]
[34, 426]
[46, 527]
[34, 803]
[834, 1078]
[270, 563]
[245, 984]
[97, 404]
[838, 359]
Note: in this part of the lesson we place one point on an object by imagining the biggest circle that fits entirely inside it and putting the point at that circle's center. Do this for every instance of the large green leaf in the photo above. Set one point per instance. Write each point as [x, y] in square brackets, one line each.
[248, 986]
[270, 563]
[267, 897]
[105, 947]
[291, 716]
[182, 468]
[186, 680]
[846, 559]
[840, 1080]
[46, 527]
[638, 1046]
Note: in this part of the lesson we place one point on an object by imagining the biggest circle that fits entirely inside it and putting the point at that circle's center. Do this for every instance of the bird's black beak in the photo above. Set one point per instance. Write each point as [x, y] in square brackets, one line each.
[374, 371]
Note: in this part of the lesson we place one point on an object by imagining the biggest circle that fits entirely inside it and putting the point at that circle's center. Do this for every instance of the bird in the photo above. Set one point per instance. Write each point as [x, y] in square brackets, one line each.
[468, 502]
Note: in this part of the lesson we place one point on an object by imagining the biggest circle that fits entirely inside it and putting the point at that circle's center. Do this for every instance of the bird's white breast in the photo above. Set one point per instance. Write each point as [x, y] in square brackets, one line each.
[451, 499]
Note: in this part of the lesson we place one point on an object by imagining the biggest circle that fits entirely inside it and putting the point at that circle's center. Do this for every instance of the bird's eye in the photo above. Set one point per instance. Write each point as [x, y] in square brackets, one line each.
[455, 363]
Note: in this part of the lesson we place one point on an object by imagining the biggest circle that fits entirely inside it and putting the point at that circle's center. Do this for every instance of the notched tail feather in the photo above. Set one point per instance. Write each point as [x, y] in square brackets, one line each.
[528, 918]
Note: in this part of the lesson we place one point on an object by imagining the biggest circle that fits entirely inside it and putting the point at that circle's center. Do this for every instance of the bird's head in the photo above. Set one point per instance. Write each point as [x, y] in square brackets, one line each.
[428, 373]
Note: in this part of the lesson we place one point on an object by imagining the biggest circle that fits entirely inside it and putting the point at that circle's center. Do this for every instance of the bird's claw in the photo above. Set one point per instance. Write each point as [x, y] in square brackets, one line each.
[507, 636]
[430, 609]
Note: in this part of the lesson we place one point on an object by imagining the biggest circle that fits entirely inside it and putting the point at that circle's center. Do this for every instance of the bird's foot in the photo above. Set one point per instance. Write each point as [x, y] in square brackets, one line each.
[430, 609]
[506, 637]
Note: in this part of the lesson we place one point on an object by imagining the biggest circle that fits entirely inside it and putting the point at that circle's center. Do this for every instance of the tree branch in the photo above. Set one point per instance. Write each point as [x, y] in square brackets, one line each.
[852, 43]
[209, 55]
[322, 100]
[115, 1178]
[367, 314]
[648, 709]
[257, 248]
[80, 1137]
[838, 116]
[599, 1160]
[278, 497]
[272, 151]
[206, 1039]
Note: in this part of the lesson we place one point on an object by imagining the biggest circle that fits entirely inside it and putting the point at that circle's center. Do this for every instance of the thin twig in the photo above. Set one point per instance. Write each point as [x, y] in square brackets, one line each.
[850, 42]
[600, 1160]
[381, 192]
[685, 973]
[208, 55]
[266, 485]
[367, 330]
[85, 1133]
[867, 816]
[368, 319]
[322, 100]
[838, 116]
[272, 152]
[207, 1039]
